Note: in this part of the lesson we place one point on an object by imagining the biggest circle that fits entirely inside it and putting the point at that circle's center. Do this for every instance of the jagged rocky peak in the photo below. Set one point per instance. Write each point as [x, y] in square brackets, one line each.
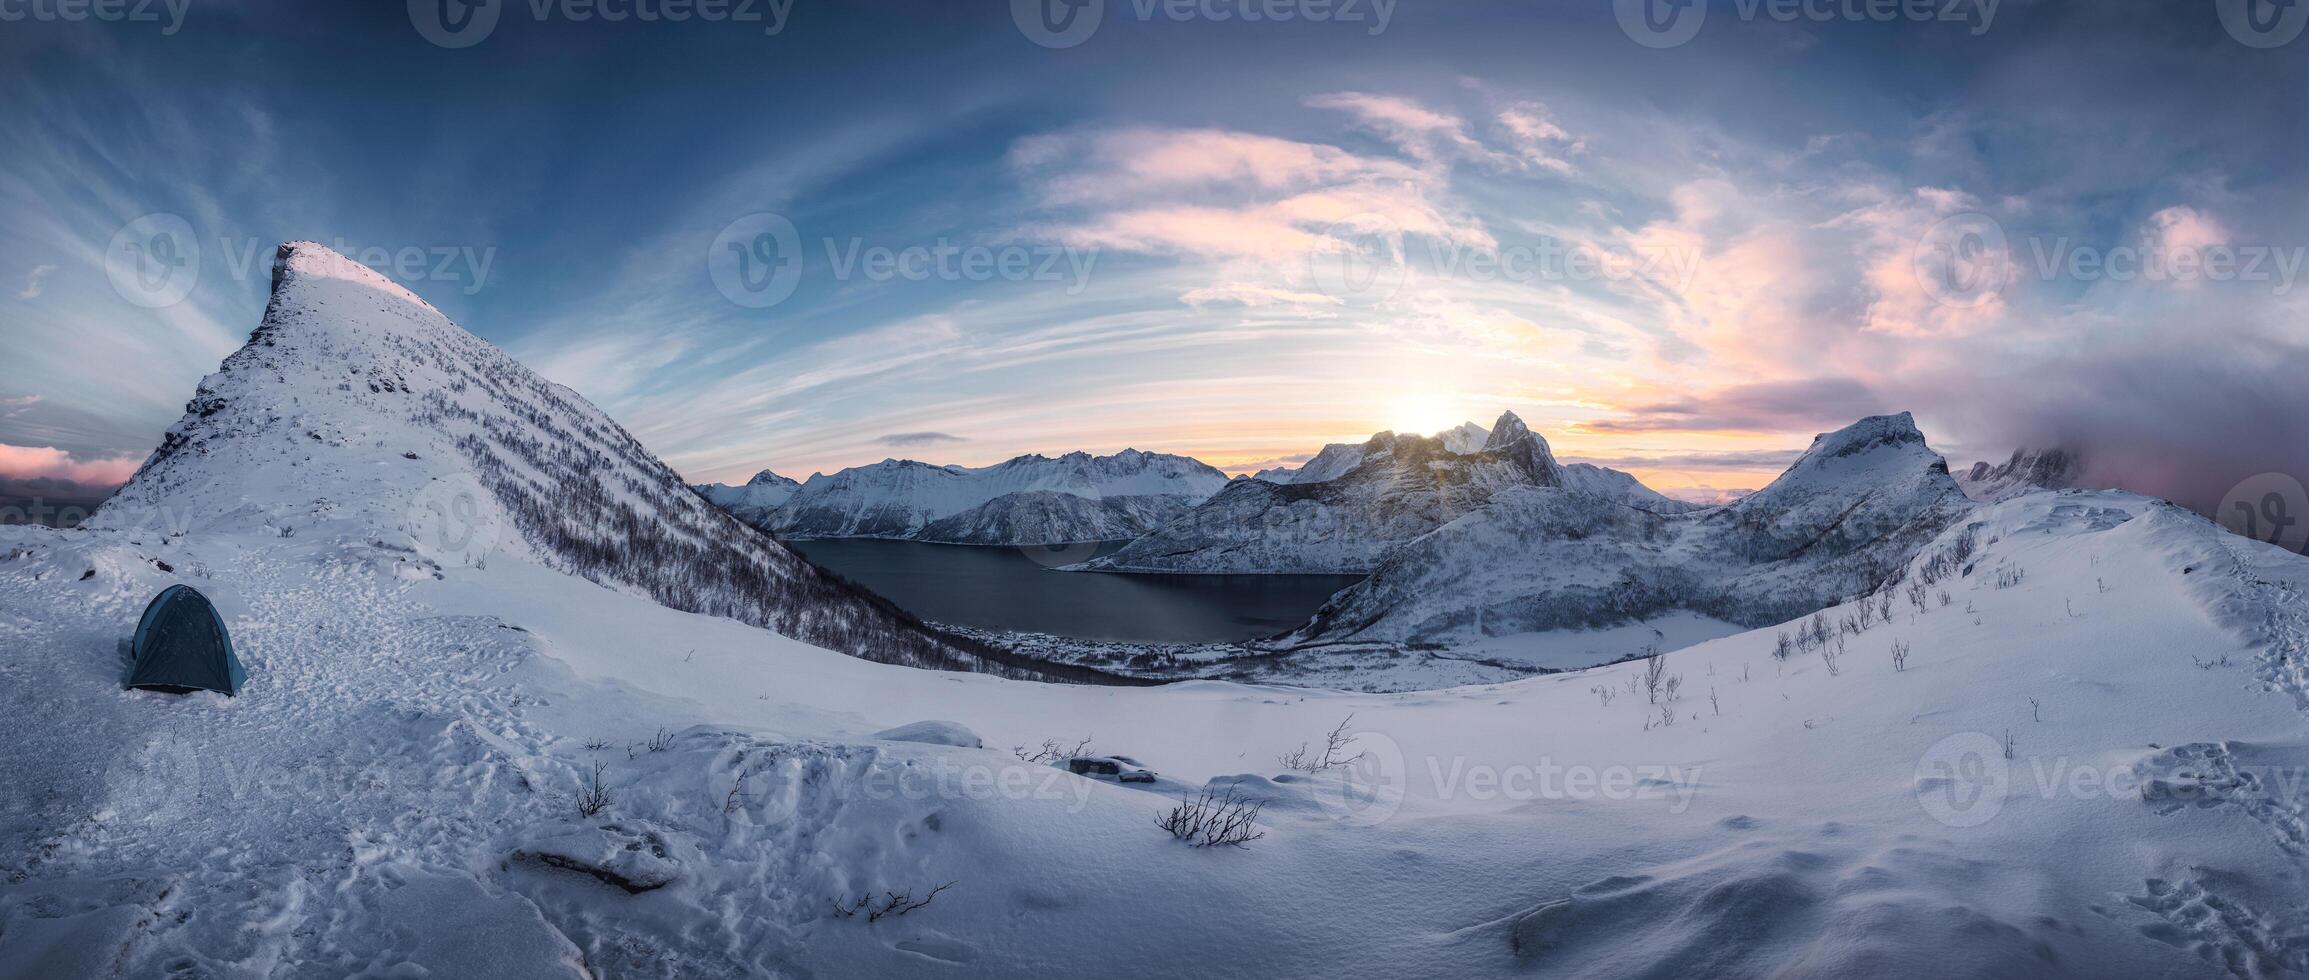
[1508, 431]
[2028, 470]
[767, 478]
[1512, 440]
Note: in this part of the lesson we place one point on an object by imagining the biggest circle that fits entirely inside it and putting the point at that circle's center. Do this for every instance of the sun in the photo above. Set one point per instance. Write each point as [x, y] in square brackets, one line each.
[1421, 414]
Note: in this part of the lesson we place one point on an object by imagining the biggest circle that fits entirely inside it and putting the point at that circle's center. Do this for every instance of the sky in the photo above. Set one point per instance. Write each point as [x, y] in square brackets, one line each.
[804, 235]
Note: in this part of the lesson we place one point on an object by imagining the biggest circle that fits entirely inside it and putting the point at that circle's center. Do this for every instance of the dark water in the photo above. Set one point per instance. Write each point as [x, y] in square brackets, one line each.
[1017, 589]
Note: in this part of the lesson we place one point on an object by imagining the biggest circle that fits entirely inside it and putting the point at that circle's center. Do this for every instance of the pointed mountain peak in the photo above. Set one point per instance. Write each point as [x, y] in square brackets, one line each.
[767, 478]
[1508, 431]
[300, 263]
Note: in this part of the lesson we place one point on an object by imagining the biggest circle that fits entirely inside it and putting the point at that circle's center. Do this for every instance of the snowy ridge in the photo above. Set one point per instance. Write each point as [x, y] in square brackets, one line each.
[358, 413]
[899, 498]
[2028, 470]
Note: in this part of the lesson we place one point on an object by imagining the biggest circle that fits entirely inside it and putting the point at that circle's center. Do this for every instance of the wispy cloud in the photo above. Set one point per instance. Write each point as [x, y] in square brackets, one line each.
[35, 281]
[918, 439]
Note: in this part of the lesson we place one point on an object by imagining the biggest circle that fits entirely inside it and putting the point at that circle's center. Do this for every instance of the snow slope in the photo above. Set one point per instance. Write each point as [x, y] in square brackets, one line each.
[393, 795]
[358, 413]
[899, 498]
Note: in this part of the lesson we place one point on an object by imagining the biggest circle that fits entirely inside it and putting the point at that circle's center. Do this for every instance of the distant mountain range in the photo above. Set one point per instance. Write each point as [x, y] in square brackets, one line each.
[1341, 512]
[1030, 499]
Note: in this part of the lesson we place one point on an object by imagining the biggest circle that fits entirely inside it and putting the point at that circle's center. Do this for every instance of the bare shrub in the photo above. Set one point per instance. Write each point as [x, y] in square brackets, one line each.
[593, 797]
[1899, 655]
[1210, 819]
[891, 904]
[1604, 694]
[1052, 751]
[1660, 686]
[1334, 752]
[1830, 653]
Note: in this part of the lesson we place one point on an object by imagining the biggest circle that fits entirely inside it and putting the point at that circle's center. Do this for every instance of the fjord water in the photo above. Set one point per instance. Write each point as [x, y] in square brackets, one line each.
[1010, 589]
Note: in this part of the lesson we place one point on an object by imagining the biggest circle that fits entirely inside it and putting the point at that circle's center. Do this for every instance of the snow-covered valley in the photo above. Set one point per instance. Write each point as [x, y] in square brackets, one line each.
[2063, 735]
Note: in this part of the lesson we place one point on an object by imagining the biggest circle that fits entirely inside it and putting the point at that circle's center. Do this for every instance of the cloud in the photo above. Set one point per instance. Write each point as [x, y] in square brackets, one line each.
[1755, 460]
[1425, 134]
[48, 462]
[1537, 138]
[918, 439]
[1771, 406]
[35, 281]
[12, 407]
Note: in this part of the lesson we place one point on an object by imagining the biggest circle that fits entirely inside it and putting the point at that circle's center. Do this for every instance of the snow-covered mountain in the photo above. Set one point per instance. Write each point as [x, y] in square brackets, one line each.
[1041, 517]
[1603, 481]
[1843, 518]
[1387, 491]
[899, 498]
[359, 414]
[1339, 457]
[753, 501]
[2028, 470]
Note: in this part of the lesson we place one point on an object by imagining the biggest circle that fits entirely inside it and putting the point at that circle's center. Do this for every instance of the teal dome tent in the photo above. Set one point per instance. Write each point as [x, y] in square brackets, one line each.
[181, 646]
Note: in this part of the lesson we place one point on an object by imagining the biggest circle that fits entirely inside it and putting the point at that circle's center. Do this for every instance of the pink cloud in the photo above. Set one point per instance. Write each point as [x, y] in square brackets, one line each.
[1131, 164]
[1421, 132]
[48, 462]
